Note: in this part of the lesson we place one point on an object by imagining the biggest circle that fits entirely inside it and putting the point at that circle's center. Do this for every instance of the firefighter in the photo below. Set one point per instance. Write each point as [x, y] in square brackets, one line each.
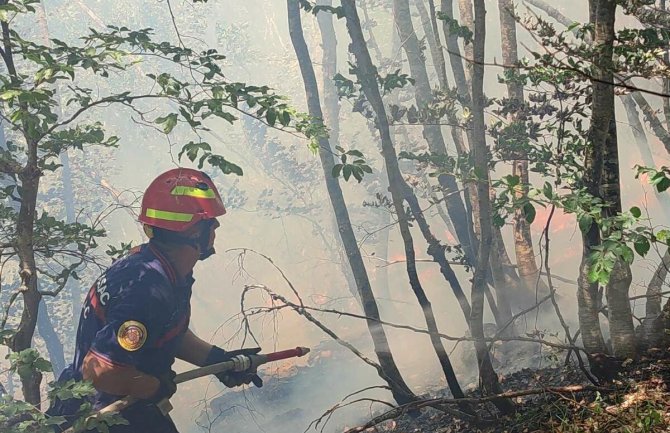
[135, 320]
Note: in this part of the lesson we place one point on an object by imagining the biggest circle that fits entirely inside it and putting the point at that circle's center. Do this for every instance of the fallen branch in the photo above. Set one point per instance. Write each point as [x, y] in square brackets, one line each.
[400, 410]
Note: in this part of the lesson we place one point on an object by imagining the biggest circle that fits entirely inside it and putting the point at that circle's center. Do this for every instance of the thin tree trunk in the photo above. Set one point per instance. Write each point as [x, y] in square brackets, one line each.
[22, 340]
[389, 371]
[488, 376]
[467, 20]
[53, 343]
[433, 44]
[29, 177]
[653, 306]
[642, 143]
[47, 331]
[367, 77]
[502, 289]
[654, 122]
[455, 58]
[603, 122]
[332, 111]
[653, 332]
[587, 293]
[432, 133]
[463, 88]
[523, 241]
[666, 81]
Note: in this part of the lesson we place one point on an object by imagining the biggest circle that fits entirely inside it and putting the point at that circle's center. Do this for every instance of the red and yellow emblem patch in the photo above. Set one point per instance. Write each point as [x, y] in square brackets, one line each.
[132, 335]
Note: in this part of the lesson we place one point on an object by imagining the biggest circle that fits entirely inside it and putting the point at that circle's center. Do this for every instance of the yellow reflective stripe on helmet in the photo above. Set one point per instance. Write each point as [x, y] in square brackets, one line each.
[169, 216]
[193, 192]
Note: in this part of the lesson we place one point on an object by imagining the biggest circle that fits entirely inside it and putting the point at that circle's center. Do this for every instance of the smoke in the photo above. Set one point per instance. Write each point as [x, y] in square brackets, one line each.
[272, 213]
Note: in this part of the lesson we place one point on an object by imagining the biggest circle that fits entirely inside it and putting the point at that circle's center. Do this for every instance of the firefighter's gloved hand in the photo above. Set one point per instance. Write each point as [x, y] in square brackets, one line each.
[234, 378]
[166, 388]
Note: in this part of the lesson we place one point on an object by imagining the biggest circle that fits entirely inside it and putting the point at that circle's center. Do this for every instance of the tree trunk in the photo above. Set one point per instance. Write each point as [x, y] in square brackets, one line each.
[467, 20]
[488, 377]
[47, 331]
[367, 75]
[432, 133]
[331, 104]
[603, 124]
[389, 371]
[654, 122]
[46, 328]
[434, 43]
[463, 88]
[653, 332]
[455, 58]
[523, 242]
[502, 289]
[653, 305]
[22, 340]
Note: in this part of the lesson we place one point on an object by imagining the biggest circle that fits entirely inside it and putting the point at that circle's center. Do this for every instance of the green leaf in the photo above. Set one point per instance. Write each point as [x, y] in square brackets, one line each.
[337, 169]
[529, 212]
[271, 117]
[168, 122]
[642, 246]
[663, 184]
[346, 172]
[585, 223]
[663, 235]
[637, 213]
[358, 173]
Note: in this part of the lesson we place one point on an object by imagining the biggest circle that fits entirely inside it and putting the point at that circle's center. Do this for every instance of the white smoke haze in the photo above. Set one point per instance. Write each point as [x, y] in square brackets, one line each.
[254, 36]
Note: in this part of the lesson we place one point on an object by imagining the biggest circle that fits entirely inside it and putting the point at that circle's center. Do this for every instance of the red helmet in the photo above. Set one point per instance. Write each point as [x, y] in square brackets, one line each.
[180, 198]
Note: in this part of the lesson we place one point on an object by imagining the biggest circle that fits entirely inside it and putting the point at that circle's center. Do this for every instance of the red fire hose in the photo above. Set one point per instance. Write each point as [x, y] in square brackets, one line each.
[165, 406]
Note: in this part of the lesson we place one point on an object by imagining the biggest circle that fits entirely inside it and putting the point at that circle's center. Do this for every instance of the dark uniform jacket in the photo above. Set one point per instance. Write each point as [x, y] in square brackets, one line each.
[135, 315]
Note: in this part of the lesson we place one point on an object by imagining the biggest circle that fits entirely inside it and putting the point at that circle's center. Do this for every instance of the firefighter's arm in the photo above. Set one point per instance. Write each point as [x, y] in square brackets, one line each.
[118, 380]
[193, 349]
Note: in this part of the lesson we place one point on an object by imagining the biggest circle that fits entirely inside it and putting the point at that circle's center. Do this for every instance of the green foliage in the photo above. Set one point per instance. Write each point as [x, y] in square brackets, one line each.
[392, 81]
[118, 252]
[348, 89]
[19, 417]
[455, 28]
[357, 168]
[26, 362]
[48, 105]
[657, 178]
[315, 9]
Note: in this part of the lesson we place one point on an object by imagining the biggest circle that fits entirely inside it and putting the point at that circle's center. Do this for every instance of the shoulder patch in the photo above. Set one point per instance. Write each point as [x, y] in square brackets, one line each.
[132, 335]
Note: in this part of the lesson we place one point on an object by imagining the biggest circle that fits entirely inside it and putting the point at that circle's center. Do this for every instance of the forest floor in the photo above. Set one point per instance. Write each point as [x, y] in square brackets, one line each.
[637, 401]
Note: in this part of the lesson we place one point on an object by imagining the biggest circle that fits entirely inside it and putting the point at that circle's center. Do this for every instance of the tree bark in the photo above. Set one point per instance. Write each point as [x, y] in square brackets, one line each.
[22, 340]
[603, 124]
[389, 370]
[367, 75]
[467, 19]
[47, 331]
[654, 122]
[432, 133]
[651, 330]
[523, 241]
[455, 58]
[653, 306]
[331, 104]
[45, 325]
[434, 43]
[488, 377]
